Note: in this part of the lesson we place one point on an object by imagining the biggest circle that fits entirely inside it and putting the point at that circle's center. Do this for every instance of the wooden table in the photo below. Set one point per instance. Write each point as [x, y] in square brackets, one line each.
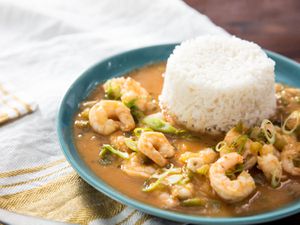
[273, 24]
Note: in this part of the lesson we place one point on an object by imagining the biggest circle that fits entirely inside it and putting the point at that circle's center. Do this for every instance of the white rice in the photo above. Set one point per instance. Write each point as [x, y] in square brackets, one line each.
[213, 82]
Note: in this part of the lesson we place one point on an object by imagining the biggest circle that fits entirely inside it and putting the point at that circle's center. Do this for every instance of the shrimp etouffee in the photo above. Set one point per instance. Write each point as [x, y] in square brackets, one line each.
[124, 137]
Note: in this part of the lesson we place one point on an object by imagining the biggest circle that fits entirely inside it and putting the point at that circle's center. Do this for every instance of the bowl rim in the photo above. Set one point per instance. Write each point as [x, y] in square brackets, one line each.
[113, 193]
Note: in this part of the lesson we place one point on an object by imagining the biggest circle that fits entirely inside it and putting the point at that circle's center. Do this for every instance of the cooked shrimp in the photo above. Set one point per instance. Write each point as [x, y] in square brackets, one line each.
[269, 149]
[196, 160]
[230, 190]
[118, 141]
[156, 147]
[290, 153]
[131, 91]
[135, 167]
[250, 158]
[168, 201]
[182, 191]
[271, 167]
[114, 85]
[108, 116]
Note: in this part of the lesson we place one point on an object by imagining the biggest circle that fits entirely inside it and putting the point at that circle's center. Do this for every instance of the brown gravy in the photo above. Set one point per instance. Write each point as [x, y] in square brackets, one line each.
[88, 144]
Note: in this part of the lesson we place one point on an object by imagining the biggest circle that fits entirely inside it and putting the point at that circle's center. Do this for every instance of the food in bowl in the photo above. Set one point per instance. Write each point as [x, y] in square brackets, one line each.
[146, 152]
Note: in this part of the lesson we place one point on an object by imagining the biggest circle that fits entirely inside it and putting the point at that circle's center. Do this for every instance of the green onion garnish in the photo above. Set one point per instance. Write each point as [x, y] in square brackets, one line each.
[293, 115]
[131, 144]
[160, 177]
[105, 148]
[158, 124]
[220, 145]
[268, 130]
[239, 143]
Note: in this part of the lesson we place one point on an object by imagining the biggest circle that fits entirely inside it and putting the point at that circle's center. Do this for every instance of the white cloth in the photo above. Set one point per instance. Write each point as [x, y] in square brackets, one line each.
[13, 103]
[45, 45]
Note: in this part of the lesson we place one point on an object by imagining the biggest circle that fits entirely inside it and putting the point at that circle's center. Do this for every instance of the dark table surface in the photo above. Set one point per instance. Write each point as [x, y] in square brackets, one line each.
[273, 24]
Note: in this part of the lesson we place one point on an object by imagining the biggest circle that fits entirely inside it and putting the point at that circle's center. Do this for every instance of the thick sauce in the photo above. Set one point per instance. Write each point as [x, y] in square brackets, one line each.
[88, 144]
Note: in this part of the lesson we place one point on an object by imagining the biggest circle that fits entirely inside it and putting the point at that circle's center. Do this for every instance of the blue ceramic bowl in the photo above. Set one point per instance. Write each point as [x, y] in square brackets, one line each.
[287, 71]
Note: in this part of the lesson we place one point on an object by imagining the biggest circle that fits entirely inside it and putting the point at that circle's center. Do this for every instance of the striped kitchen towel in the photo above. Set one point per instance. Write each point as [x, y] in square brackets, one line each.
[14, 104]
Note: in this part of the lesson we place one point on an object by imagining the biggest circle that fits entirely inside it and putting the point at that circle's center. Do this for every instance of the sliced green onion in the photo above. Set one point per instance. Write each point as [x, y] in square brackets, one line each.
[138, 131]
[158, 124]
[102, 153]
[104, 159]
[203, 170]
[131, 144]
[293, 115]
[106, 147]
[192, 202]
[155, 184]
[268, 130]
[220, 145]
[160, 177]
[239, 143]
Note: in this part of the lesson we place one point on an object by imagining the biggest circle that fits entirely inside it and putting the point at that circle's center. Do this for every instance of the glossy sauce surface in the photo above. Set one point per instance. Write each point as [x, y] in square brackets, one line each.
[88, 144]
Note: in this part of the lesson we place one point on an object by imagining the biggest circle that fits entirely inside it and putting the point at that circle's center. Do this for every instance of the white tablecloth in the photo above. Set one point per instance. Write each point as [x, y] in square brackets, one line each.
[46, 45]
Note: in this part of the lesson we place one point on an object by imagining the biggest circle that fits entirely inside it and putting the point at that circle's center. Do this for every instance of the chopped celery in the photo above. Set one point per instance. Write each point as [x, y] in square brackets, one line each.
[255, 147]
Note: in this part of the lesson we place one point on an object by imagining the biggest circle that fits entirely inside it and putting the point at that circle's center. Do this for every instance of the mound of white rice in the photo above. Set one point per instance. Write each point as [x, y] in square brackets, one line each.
[213, 82]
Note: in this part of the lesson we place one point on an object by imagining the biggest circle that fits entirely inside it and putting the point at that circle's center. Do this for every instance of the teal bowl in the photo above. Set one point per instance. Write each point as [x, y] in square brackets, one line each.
[287, 71]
